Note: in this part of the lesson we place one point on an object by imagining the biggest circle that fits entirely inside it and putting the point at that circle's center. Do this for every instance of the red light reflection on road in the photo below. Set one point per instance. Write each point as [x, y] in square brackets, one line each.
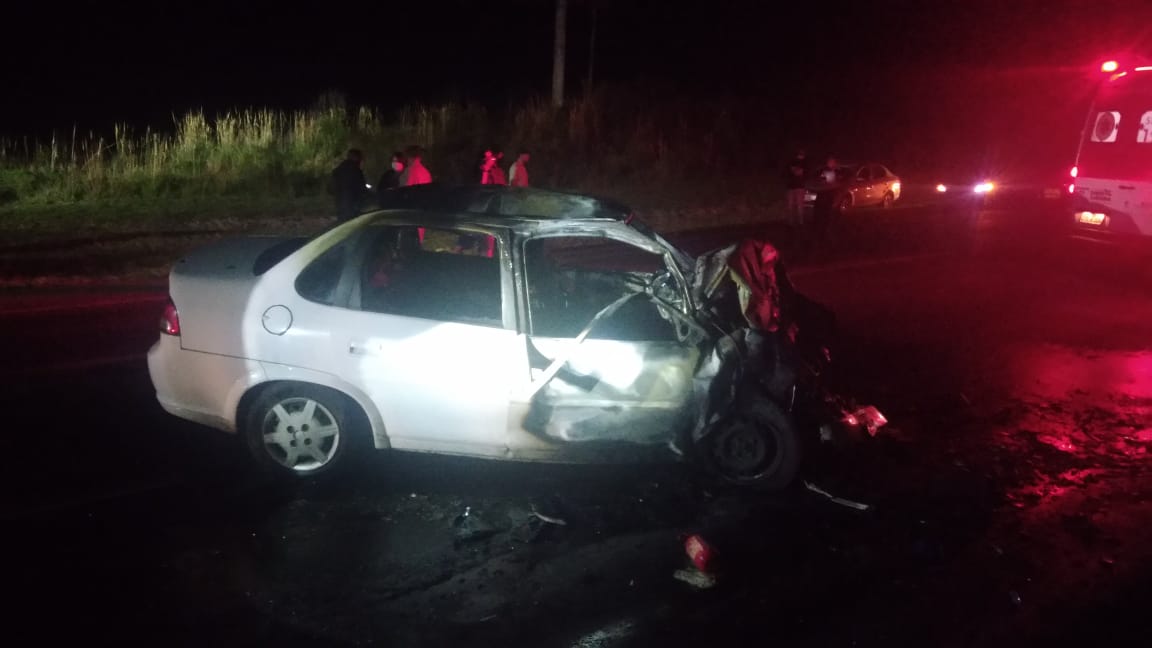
[1055, 372]
[1083, 425]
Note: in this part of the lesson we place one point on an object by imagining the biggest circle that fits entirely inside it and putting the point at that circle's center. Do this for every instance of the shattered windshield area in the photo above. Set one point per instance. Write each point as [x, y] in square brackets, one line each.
[682, 258]
[571, 279]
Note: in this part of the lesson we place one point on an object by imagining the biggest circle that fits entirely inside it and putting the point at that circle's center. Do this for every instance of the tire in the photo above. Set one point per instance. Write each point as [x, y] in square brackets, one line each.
[301, 431]
[844, 205]
[756, 448]
[888, 200]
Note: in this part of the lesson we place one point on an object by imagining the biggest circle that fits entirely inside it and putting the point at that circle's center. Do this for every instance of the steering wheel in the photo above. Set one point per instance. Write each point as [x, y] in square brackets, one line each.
[660, 283]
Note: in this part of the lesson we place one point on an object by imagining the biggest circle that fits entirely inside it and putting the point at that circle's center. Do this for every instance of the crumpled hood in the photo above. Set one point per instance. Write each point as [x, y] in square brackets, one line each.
[752, 265]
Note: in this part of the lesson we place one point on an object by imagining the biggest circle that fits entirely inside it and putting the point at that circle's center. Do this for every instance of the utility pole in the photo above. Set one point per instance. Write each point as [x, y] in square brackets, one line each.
[591, 52]
[558, 54]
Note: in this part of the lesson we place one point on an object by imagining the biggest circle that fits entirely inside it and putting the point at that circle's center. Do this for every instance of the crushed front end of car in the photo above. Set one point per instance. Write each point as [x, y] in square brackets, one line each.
[762, 393]
[740, 388]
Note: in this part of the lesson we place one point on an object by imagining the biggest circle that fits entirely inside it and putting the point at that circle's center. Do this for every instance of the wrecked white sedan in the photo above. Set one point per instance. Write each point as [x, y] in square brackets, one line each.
[501, 323]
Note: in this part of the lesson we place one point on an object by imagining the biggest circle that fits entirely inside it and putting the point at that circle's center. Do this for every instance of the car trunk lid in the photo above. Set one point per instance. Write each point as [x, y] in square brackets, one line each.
[211, 287]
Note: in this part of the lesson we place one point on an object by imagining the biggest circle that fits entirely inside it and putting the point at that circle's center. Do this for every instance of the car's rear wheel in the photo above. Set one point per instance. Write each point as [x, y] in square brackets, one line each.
[888, 200]
[300, 431]
[757, 447]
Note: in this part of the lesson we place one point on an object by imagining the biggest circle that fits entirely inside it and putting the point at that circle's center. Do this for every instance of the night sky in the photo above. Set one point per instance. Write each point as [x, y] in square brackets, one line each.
[92, 64]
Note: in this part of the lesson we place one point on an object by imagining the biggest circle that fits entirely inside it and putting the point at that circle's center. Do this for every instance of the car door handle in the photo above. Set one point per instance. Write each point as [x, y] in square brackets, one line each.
[1128, 187]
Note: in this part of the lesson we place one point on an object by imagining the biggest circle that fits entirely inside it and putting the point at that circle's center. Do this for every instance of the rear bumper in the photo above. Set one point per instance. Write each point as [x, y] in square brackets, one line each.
[201, 387]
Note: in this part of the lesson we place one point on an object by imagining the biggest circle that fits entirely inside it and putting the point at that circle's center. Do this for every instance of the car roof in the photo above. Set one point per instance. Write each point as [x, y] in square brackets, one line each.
[505, 203]
[852, 166]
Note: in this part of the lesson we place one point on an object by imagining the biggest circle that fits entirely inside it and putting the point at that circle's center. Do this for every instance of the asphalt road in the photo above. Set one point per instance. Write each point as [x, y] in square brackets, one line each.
[1010, 495]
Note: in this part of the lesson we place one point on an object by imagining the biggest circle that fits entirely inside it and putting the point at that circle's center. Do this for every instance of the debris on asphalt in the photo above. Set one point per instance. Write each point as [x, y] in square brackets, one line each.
[699, 552]
[542, 520]
[548, 518]
[695, 578]
[870, 418]
[470, 527]
[838, 500]
[1014, 596]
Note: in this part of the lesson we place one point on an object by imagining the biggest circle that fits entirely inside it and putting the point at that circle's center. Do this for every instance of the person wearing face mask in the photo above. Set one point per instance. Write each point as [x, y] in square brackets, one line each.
[390, 179]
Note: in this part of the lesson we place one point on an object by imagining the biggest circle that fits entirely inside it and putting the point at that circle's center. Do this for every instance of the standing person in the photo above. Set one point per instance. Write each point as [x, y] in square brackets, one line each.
[487, 163]
[415, 173]
[390, 179]
[795, 186]
[518, 177]
[347, 185]
[496, 174]
[828, 175]
[827, 197]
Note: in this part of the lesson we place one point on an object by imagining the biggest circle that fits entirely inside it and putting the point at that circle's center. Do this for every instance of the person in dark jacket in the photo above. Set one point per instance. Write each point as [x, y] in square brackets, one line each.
[347, 185]
[795, 186]
[390, 179]
[829, 193]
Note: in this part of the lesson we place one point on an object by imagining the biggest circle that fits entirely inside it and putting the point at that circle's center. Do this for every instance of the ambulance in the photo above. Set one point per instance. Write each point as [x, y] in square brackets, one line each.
[1111, 182]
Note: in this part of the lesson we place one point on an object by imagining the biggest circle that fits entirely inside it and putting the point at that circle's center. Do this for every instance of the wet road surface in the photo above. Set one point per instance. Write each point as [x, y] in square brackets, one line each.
[1010, 495]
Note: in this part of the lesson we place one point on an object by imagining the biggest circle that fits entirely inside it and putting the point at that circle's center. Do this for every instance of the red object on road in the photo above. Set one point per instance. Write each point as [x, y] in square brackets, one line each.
[699, 551]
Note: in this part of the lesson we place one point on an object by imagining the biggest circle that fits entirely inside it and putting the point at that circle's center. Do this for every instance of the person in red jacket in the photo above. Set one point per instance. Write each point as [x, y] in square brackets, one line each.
[415, 173]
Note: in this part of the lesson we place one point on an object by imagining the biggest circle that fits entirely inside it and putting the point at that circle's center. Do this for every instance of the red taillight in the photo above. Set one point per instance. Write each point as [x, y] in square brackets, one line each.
[1074, 172]
[170, 320]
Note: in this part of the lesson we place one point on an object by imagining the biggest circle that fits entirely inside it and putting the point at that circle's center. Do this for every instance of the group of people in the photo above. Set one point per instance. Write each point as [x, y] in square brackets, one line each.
[800, 179]
[350, 189]
[492, 173]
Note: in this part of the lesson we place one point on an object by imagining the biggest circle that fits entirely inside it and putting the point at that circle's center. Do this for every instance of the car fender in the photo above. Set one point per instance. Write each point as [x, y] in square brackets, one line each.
[284, 373]
[242, 385]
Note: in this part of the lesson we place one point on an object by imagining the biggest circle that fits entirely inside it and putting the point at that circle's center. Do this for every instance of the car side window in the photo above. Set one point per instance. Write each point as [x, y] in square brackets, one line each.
[879, 172]
[450, 275]
[319, 280]
[864, 174]
[572, 278]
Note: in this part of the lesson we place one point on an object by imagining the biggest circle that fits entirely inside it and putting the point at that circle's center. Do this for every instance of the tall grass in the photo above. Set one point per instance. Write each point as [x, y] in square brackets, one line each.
[616, 141]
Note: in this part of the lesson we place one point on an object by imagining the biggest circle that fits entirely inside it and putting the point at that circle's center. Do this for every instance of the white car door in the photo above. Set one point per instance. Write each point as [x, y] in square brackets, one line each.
[627, 378]
[424, 336]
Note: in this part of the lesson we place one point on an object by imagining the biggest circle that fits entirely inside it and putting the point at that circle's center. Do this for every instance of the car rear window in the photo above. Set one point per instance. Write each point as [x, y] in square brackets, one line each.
[275, 254]
[318, 281]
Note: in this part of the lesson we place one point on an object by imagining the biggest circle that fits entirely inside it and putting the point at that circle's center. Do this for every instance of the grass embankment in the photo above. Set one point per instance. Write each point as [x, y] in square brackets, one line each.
[684, 163]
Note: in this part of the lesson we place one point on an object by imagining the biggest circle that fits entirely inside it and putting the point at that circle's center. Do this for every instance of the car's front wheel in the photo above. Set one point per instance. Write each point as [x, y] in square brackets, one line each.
[888, 200]
[300, 430]
[757, 447]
